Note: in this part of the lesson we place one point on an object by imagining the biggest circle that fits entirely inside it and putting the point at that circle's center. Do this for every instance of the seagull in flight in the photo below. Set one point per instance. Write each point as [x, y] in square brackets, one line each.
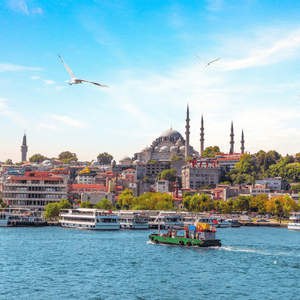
[207, 64]
[75, 80]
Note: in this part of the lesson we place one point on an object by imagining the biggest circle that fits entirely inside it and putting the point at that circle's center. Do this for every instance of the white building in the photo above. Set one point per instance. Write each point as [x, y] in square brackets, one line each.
[274, 184]
[161, 186]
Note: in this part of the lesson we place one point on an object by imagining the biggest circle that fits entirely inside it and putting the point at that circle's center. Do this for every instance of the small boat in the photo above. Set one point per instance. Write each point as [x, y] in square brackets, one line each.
[234, 222]
[202, 235]
[133, 221]
[30, 219]
[295, 224]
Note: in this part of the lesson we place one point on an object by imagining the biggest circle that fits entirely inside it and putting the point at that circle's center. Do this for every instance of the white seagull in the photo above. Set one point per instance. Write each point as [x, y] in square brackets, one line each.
[207, 64]
[75, 80]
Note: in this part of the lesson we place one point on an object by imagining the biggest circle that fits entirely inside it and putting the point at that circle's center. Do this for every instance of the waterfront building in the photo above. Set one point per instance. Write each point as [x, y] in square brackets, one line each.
[198, 176]
[34, 190]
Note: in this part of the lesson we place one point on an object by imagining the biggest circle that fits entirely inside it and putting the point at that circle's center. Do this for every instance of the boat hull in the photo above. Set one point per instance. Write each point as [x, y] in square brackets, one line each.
[182, 241]
[294, 226]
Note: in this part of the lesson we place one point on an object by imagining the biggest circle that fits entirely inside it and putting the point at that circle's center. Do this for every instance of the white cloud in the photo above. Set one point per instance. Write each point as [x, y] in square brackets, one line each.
[69, 121]
[214, 4]
[34, 77]
[42, 126]
[49, 81]
[4, 67]
[8, 111]
[37, 10]
[18, 5]
[58, 88]
[276, 51]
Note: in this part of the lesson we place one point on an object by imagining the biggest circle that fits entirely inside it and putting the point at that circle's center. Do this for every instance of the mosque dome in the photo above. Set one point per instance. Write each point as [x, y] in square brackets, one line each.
[182, 148]
[171, 133]
[156, 148]
[164, 149]
[146, 148]
[95, 163]
[173, 148]
[136, 162]
[47, 163]
[125, 158]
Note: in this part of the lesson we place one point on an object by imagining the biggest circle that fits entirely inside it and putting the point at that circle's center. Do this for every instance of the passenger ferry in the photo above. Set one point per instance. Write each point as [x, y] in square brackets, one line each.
[165, 220]
[214, 221]
[295, 224]
[89, 218]
[18, 219]
[132, 220]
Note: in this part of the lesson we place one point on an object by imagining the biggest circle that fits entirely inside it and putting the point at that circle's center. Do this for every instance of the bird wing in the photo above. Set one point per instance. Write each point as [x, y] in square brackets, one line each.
[95, 83]
[214, 60]
[68, 69]
[200, 58]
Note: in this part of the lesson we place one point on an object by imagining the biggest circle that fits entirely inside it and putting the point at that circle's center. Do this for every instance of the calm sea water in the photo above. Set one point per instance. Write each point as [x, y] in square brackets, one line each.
[60, 263]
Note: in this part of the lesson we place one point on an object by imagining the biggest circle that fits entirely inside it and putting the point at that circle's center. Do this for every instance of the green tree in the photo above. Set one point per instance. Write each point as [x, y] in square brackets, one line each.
[126, 199]
[104, 158]
[296, 188]
[146, 179]
[3, 205]
[242, 203]
[152, 161]
[211, 151]
[37, 158]
[8, 162]
[188, 159]
[52, 210]
[170, 175]
[103, 204]
[175, 157]
[87, 204]
[64, 204]
[66, 157]
[259, 203]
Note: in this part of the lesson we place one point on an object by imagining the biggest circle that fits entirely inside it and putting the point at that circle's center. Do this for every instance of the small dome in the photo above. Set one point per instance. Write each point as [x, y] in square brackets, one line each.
[95, 163]
[171, 133]
[173, 148]
[136, 162]
[156, 148]
[182, 148]
[125, 158]
[146, 148]
[47, 163]
[164, 149]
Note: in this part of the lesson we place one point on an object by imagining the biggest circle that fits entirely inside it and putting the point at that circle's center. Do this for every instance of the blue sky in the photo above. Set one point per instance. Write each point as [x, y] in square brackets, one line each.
[144, 51]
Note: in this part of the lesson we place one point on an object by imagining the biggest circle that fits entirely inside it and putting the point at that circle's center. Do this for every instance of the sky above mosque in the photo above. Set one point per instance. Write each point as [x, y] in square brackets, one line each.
[144, 51]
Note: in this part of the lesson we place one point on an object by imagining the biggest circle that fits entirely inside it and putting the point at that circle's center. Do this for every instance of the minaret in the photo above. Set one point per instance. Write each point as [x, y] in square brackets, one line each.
[201, 136]
[242, 143]
[24, 148]
[187, 133]
[231, 140]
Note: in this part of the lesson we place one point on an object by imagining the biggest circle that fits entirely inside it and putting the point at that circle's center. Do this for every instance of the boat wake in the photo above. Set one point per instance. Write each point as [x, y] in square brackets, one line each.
[150, 242]
[243, 250]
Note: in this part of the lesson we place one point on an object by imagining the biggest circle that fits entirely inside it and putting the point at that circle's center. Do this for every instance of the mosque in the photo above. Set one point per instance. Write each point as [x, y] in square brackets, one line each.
[171, 142]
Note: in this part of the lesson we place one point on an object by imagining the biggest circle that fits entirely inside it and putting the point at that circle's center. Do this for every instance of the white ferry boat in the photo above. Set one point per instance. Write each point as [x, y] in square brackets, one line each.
[11, 219]
[89, 218]
[214, 221]
[165, 220]
[295, 224]
[131, 220]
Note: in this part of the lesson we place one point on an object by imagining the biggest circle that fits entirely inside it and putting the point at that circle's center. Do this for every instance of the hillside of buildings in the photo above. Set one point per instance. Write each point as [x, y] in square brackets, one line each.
[264, 182]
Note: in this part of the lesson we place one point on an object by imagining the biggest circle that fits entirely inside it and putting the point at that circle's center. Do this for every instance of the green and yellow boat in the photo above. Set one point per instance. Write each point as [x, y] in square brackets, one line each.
[201, 235]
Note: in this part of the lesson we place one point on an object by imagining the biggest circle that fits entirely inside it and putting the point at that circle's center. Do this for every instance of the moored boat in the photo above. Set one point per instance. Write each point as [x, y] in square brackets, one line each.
[131, 220]
[202, 235]
[295, 224]
[13, 219]
[89, 218]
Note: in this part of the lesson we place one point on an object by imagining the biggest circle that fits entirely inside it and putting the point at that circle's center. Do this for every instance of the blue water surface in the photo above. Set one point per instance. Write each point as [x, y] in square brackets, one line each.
[60, 263]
